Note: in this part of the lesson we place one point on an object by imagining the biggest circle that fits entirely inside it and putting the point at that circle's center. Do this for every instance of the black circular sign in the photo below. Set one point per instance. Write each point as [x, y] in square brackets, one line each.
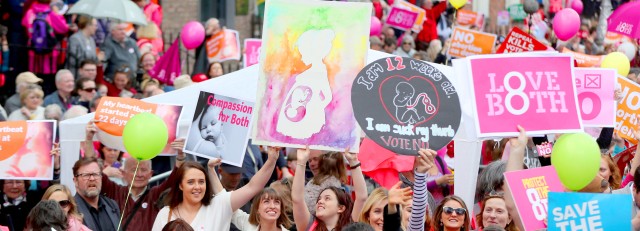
[405, 104]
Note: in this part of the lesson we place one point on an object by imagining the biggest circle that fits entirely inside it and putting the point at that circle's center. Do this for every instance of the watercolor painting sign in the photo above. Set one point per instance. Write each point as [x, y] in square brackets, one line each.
[405, 105]
[311, 53]
[25, 149]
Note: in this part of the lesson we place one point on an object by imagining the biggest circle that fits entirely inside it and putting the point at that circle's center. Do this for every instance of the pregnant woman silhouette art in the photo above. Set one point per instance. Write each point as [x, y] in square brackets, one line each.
[303, 111]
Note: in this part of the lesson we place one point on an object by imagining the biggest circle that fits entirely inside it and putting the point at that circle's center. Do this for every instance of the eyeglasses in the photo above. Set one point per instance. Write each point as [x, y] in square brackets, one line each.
[14, 183]
[449, 211]
[91, 89]
[64, 203]
[406, 43]
[86, 176]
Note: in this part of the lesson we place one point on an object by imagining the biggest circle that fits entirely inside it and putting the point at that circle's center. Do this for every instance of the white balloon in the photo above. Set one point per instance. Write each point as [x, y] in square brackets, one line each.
[628, 49]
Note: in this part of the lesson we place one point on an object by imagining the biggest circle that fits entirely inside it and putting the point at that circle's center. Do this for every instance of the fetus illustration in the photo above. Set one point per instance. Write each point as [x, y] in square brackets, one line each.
[406, 111]
[303, 111]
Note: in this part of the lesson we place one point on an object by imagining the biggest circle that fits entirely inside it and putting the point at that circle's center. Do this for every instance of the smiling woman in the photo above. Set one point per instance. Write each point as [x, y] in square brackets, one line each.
[451, 215]
[267, 213]
[373, 209]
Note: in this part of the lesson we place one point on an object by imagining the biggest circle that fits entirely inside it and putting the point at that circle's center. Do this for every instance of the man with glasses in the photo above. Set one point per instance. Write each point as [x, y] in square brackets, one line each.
[16, 202]
[86, 89]
[100, 212]
[141, 210]
[64, 87]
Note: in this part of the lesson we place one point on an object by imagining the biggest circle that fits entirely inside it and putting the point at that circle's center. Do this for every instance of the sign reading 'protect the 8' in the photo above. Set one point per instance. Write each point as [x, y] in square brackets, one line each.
[535, 91]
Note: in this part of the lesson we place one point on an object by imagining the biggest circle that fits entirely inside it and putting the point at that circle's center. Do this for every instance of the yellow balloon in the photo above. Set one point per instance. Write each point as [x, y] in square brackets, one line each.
[458, 3]
[618, 61]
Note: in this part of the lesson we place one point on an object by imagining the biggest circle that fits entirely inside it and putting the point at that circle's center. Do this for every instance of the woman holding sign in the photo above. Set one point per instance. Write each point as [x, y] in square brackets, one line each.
[192, 198]
[334, 208]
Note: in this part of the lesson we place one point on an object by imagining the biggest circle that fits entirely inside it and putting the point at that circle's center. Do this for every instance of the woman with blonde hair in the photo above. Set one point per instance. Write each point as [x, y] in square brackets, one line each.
[63, 197]
[435, 46]
[32, 99]
[149, 39]
[373, 208]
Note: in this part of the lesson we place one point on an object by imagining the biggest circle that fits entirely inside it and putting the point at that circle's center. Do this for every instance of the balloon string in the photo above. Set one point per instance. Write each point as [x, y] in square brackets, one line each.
[128, 194]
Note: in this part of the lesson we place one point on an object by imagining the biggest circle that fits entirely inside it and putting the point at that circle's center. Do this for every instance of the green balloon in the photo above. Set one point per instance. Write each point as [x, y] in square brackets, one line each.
[576, 158]
[145, 136]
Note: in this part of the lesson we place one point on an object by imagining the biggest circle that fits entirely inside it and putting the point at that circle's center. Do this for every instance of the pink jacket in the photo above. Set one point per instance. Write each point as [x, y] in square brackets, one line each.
[76, 225]
[154, 13]
[44, 64]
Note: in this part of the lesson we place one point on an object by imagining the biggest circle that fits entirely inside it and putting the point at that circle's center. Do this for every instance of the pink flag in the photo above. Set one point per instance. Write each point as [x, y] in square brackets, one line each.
[168, 66]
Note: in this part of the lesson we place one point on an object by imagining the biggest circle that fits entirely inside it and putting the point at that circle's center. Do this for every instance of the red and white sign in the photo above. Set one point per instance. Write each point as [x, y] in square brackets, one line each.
[534, 90]
[401, 18]
[519, 41]
[596, 98]
[544, 149]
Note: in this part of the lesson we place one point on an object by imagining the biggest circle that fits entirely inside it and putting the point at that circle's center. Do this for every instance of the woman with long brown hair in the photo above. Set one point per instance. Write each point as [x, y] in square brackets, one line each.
[192, 199]
[334, 207]
[451, 215]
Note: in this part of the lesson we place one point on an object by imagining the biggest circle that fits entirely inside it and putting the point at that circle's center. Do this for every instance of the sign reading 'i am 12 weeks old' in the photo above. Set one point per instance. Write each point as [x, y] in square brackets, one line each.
[405, 104]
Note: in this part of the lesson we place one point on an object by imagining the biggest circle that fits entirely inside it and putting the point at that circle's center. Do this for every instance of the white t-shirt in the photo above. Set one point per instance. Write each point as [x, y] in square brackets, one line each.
[216, 216]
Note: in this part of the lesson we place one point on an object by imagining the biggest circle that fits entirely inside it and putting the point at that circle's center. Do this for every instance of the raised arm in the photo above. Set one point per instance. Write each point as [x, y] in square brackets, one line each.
[178, 145]
[301, 213]
[424, 161]
[359, 185]
[515, 163]
[397, 196]
[635, 162]
[213, 175]
[243, 195]
[88, 141]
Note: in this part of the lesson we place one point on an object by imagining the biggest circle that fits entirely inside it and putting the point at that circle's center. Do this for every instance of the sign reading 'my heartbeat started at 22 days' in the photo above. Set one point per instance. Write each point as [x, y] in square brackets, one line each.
[405, 105]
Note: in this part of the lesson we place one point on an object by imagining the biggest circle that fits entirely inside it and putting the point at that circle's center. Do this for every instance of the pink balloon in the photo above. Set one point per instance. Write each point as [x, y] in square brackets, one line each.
[192, 35]
[566, 24]
[376, 26]
[577, 6]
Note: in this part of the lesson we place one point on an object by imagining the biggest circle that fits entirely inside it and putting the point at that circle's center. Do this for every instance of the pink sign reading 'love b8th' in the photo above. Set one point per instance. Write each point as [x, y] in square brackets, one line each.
[535, 91]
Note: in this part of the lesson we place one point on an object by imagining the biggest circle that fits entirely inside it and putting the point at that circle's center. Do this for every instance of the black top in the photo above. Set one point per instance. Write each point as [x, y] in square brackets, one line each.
[15, 216]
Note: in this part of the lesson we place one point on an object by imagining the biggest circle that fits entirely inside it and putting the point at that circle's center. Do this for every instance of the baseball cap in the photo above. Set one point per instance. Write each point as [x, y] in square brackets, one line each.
[182, 81]
[27, 77]
[231, 169]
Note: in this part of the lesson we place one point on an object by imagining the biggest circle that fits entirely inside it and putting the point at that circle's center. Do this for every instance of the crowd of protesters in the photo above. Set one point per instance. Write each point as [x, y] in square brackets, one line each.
[275, 189]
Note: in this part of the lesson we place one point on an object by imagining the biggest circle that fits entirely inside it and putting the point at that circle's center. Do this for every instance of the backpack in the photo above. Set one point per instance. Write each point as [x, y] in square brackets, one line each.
[43, 40]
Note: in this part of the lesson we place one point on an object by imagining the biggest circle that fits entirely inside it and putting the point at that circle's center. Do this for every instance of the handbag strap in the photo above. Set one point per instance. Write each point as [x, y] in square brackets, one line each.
[135, 209]
[445, 189]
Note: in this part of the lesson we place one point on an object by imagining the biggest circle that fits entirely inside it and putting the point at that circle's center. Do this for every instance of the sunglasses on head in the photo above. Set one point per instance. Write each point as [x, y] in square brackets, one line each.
[123, 69]
[449, 210]
[64, 203]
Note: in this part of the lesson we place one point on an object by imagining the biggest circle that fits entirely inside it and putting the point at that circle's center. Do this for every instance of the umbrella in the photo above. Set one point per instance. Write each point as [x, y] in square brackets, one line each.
[626, 20]
[122, 10]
